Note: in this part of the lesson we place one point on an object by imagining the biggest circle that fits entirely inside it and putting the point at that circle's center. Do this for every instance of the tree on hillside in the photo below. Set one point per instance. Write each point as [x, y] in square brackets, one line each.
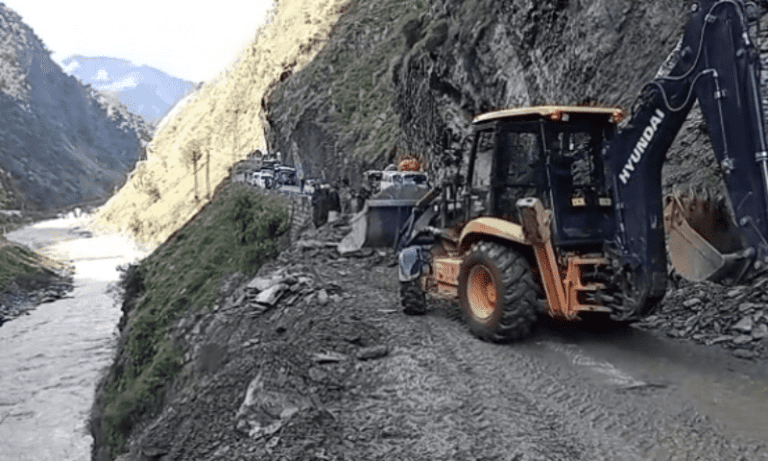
[192, 153]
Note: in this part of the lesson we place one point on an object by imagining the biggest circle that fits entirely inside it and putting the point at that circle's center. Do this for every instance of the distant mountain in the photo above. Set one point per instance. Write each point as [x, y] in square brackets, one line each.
[61, 142]
[145, 90]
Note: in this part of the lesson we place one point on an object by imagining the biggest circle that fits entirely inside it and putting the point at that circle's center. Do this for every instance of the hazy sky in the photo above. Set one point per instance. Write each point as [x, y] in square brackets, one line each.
[191, 40]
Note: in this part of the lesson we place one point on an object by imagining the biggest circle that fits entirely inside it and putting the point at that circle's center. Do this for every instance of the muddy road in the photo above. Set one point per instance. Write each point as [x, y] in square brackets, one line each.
[570, 394]
[335, 370]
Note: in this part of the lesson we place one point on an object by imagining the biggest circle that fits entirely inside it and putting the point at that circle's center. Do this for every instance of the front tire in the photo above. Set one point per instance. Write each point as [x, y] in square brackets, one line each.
[498, 292]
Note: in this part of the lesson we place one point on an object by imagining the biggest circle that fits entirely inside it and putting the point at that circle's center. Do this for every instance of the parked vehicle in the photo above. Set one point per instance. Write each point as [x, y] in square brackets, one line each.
[286, 176]
[264, 179]
[403, 178]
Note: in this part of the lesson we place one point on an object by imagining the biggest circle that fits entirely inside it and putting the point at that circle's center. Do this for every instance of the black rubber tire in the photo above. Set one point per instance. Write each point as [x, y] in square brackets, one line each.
[510, 312]
[412, 298]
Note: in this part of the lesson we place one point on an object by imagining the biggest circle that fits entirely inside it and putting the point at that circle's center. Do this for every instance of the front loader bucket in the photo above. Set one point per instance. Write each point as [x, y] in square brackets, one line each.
[357, 236]
[704, 244]
[379, 223]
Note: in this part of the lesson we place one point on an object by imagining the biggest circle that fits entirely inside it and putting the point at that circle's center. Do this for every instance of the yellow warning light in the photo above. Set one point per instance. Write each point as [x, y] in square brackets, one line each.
[411, 162]
[555, 116]
[617, 116]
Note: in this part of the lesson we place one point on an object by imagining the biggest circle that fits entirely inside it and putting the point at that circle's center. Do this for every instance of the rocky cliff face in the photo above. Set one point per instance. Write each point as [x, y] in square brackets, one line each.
[407, 77]
[61, 142]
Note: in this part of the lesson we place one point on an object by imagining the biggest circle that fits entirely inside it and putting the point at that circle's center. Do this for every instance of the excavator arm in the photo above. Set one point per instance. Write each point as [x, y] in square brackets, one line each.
[718, 65]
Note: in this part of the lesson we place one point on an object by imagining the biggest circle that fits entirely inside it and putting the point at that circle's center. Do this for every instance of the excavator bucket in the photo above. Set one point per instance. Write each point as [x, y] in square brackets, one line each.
[378, 224]
[704, 243]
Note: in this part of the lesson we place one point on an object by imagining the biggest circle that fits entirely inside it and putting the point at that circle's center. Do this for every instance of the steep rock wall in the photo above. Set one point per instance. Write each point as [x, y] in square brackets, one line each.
[388, 84]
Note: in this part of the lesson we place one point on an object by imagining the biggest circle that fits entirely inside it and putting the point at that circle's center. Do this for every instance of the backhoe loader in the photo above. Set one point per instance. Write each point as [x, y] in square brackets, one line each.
[561, 212]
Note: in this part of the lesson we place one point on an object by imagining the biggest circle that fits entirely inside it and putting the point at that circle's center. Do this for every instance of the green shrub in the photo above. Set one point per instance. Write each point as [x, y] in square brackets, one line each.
[237, 231]
[259, 222]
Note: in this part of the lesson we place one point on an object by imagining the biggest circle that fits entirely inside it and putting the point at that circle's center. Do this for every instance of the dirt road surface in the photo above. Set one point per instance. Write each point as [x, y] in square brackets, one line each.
[335, 371]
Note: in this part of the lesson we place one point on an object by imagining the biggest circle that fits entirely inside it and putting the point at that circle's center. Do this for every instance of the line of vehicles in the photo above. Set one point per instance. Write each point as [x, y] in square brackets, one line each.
[273, 175]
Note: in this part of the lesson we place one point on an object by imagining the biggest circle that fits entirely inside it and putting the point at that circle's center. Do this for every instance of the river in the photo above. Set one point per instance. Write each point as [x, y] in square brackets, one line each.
[52, 358]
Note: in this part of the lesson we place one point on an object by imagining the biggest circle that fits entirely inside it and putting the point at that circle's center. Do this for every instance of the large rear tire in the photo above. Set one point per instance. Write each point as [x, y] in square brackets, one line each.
[498, 292]
[412, 298]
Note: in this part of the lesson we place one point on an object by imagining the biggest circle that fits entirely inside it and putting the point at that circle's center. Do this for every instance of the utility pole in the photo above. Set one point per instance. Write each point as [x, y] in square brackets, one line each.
[208, 173]
[237, 138]
[194, 168]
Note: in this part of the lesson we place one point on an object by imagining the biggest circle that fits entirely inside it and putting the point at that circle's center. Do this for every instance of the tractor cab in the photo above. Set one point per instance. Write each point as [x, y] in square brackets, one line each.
[553, 153]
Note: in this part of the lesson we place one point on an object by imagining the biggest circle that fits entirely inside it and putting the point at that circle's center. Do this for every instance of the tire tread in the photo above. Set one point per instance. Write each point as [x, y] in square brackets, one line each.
[519, 296]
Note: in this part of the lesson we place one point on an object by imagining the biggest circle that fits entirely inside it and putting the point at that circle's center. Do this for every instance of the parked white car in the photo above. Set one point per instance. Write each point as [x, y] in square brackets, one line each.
[403, 178]
[263, 178]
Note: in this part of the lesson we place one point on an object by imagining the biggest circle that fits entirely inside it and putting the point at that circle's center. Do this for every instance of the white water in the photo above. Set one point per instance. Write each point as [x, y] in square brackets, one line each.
[51, 359]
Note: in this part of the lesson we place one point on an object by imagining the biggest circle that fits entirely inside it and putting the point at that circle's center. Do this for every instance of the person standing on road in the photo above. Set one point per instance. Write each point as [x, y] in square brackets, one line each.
[345, 196]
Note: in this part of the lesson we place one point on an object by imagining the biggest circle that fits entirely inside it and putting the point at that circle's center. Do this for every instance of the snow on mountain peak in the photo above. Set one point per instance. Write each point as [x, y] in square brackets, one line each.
[101, 76]
[129, 81]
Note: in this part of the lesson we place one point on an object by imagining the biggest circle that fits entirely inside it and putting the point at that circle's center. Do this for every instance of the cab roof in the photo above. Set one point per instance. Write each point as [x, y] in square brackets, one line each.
[616, 114]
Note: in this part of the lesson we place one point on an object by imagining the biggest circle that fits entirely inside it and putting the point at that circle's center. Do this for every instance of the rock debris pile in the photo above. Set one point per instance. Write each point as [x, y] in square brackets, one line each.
[289, 281]
[304, 359]
[735, 318]
[270, 369]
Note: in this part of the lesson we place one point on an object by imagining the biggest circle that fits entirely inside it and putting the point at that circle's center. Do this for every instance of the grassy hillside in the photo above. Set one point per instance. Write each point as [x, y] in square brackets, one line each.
[220, 124]
[16, 260]
[236, 232]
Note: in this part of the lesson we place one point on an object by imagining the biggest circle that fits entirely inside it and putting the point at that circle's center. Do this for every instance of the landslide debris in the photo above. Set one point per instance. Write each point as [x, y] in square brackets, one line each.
[735, 318]
[312, 358]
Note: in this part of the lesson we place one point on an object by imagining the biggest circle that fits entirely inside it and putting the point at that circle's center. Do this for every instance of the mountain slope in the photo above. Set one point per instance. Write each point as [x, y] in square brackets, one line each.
[217, 125]
[62, 142]
[403, 77]
[145, 90]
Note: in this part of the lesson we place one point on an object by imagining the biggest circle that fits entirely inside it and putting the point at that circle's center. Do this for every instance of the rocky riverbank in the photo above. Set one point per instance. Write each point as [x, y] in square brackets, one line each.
[25, 292]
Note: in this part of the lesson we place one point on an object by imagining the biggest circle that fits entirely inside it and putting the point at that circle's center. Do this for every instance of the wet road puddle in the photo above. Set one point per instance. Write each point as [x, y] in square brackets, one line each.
[731, 391]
